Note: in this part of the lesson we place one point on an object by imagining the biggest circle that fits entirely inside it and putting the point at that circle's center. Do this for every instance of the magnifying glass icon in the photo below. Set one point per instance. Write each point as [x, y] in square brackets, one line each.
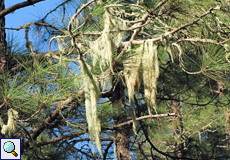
[9, 147]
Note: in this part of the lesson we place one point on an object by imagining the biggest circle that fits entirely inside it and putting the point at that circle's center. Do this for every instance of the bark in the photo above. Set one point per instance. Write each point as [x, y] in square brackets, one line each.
[178, 129]
[123, 152]
[122, 135]
[228, 131]
[3, 43]
[2, 25]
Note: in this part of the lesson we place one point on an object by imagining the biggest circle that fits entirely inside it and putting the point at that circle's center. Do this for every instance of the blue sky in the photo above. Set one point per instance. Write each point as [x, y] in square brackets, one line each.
[25, 15]
[28, 14]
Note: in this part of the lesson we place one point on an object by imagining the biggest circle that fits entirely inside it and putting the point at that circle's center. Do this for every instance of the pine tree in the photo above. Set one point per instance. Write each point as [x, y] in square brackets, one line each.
[148, 78]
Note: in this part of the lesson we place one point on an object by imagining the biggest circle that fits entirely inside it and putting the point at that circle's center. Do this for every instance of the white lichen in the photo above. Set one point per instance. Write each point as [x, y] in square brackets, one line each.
[142, 63]
[132, 72]
[102, 49]
[150, 74]
[92, 92]
[10, 128]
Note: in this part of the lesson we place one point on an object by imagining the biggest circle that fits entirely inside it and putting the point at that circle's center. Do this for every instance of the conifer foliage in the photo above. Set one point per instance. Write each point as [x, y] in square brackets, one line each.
[149, 78]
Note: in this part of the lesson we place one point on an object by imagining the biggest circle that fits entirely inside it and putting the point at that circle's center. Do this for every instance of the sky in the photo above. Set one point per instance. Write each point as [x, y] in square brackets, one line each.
[25, 15]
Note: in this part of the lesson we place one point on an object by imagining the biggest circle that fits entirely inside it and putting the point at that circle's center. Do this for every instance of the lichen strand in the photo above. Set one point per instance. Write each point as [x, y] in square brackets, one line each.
[62, 44]
[132, 72]
[10, 128]
[92, 92]
[142, 63]
[150, 74]
[102, 49]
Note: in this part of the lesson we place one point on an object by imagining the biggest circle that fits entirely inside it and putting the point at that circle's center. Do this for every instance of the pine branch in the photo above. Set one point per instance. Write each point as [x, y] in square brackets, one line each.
[18, 6]
[141, 118]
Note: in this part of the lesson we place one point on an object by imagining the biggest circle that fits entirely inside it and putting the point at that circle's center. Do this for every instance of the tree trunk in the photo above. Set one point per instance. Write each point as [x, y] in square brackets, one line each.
[178, 129]
[3, 43]
[122, 135]
[228, 131]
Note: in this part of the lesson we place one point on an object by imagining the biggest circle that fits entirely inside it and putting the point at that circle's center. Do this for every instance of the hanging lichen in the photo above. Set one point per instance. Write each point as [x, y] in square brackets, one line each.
[92, 92]
[168, 47]
[63, 44]
[142, 62]
[10, 127]
[150, 74]
[132, 72]
[102, 49]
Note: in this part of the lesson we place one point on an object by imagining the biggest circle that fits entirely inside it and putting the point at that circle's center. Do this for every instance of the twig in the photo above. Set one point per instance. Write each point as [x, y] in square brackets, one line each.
[63, 3]
[160, 4]
[159, 38]
[69, 122]
[76, 14]
[141, 118]
[31, 23]
[124, 5]
[71, 135]
[181, 61]
[71, 33]
[107, 149]
[199, 40]
[40, 108]
[131, 39]
[5, 101]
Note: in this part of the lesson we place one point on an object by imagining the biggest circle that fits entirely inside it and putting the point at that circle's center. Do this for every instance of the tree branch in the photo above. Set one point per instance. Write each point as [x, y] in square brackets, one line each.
[69, 136]
[38, 130]
[36, 23]
[141, 118]
[18, 6]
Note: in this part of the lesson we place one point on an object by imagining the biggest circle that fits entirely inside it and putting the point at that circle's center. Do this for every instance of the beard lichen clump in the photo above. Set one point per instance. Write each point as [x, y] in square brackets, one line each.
[10, 127]
[150, 74]
[142, 63]
[132, 72]
[102, 49]
[92, 92]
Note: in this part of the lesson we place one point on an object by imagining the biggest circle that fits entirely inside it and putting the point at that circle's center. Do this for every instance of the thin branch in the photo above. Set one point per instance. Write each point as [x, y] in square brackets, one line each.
[31, 23]
[181, 61]
[40, 108]
[38, 130]
[199, 40]
[76, 14]
[124, 5]
[141, 118]
[63, 3]
[160, 4]
[147, 137]
[107, 149]
[146, 117]
[136, 32]
[71, 33]
[76, 126]
[166, 34]
[18, 6]
[5, 101]
[69, 136]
